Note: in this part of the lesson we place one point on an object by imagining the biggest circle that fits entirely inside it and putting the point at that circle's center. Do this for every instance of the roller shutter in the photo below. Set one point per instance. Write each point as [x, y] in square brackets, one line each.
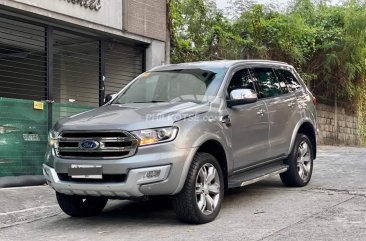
[122, 64]
[76, 69]
[22, 60]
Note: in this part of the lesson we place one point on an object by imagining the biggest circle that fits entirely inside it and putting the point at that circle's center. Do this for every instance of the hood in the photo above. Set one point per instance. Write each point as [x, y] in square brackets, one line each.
[131, 116]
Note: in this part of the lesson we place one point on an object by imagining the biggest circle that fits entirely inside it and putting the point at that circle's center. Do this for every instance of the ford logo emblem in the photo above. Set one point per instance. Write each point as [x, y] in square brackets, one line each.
[89, 144]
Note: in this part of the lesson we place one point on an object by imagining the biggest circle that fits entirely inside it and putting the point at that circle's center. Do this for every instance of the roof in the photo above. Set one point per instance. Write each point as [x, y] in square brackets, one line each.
[217, 64]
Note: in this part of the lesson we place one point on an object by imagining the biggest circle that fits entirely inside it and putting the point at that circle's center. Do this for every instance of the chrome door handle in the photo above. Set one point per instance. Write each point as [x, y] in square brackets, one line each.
[261, 112]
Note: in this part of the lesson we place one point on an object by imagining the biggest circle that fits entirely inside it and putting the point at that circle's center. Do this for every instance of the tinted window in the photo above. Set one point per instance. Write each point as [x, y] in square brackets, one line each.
[282, 82]
[288, 82]
[267, 82]
[241, 80]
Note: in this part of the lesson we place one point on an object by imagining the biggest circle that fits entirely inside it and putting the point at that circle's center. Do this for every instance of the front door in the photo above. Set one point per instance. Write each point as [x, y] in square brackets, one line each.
[249, 125]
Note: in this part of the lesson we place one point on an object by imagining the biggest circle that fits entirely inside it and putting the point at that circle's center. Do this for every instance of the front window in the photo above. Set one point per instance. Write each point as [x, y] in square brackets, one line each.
[182, 85]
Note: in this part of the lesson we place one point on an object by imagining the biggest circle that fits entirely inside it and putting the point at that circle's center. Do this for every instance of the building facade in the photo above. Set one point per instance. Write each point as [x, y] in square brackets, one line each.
[61, 57]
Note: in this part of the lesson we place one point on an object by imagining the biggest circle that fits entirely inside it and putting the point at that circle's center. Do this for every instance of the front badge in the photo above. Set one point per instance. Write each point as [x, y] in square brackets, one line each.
[89, 145]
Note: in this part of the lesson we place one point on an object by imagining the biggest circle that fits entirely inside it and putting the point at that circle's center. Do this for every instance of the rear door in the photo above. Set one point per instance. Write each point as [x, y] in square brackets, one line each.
[281, 104]
[278, 109]
[292, 92]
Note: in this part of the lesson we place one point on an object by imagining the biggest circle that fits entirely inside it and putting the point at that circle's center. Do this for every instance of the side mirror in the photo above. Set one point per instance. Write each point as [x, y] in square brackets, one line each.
[242, 97]
[108, 98]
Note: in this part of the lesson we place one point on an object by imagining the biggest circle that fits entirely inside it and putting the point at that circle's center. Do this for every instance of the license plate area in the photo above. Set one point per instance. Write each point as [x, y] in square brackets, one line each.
[31, 137]
[86, 171]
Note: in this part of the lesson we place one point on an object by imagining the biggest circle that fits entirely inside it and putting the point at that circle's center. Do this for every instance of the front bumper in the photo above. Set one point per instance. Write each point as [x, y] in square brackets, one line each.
[150, 158]
[129, 188]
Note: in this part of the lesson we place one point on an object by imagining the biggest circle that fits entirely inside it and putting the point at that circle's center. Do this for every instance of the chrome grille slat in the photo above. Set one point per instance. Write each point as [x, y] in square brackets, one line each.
[110, 149]
[112, 144]
[116, 139]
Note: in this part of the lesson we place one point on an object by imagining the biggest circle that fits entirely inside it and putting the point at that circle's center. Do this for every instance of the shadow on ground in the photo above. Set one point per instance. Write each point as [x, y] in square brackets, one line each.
[159, 210]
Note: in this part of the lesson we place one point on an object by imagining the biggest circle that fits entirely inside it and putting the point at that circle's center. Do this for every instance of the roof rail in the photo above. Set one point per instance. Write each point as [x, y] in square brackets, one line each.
[266, 60]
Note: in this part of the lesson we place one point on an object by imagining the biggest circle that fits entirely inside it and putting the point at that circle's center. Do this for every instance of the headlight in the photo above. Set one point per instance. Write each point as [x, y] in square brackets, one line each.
[154, 136]
[52, 139]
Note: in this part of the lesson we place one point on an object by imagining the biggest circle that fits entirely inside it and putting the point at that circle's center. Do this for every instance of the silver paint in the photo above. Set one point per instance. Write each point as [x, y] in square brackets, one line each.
[259, 132]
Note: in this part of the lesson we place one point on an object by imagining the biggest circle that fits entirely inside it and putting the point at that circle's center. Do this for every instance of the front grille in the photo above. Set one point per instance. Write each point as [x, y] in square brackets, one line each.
[107, 178]
[113, 144]
[94, 134]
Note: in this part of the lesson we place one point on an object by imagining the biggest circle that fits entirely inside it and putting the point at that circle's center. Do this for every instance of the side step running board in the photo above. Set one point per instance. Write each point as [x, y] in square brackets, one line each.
[255, 175]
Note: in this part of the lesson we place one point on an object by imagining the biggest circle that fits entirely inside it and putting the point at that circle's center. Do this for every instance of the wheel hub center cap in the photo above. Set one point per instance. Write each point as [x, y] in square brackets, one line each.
[205, 189]
[302, 160]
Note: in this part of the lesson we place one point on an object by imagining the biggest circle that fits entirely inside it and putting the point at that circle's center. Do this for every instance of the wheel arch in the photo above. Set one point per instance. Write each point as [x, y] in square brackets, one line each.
[307, 128]
[216, 149]
[212, 145]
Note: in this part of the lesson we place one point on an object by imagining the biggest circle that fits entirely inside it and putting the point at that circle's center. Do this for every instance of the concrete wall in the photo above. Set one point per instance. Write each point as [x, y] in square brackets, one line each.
[155, 55]
[73, 13]
[337, 127]
[147, 18]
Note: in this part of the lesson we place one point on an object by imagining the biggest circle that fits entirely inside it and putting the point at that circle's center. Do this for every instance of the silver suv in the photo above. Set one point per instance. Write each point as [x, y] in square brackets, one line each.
[190, 131]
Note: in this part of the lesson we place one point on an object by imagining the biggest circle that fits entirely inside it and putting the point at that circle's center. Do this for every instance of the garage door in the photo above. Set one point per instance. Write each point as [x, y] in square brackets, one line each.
[76, 69]
[22, 60]
[123, 64]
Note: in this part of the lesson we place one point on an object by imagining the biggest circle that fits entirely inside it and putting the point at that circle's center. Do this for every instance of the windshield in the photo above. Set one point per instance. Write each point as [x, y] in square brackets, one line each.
[184, 85]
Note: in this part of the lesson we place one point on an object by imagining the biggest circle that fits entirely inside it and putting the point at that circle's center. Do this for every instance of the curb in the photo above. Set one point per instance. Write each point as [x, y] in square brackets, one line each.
[21, 181]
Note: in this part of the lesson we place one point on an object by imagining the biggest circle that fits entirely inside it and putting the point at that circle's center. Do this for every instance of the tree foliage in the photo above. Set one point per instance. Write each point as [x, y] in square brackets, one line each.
[199, 31]
[325, 42]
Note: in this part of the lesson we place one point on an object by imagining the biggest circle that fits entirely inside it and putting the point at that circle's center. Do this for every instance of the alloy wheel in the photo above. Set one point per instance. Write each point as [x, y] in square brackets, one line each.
[207, 189]
[304, 161]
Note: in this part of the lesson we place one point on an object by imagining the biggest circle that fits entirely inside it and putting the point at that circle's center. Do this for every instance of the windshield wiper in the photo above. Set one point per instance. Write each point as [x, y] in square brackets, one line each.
[142, 102]
[153, 101]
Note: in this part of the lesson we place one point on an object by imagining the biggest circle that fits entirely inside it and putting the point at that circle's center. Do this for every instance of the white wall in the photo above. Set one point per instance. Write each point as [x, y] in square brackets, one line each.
[155, 54]
[110, 14]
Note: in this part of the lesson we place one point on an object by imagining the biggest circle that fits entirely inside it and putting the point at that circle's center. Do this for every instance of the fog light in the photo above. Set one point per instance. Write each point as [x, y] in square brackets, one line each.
[152, 174]
[149, 176]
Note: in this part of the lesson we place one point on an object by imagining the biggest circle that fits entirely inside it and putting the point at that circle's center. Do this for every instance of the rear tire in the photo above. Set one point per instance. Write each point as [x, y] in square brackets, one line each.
[77, 206]
[300, 163]
[201, 197]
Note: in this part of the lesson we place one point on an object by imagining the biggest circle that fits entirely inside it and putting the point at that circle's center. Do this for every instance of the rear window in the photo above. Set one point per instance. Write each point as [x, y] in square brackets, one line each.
[288, 81]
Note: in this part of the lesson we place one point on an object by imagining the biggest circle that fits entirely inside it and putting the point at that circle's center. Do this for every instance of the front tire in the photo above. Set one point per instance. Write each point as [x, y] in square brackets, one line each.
[300, 163]
[201, 197]
[77, 206]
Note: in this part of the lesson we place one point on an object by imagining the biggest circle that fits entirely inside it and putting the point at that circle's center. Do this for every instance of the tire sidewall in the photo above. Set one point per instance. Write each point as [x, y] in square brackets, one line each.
[209, 159]
[292, 161]
[75, 207]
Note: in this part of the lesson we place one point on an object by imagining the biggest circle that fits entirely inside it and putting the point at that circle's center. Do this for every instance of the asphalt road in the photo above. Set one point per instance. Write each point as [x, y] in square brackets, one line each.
[331, 207]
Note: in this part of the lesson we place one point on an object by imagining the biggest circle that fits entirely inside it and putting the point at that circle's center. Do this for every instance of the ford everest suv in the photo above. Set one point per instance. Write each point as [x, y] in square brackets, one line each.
[190, 131]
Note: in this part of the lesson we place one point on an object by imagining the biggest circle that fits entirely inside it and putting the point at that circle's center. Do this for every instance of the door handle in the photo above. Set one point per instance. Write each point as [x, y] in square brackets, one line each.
[225, 120]
[261, 112]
